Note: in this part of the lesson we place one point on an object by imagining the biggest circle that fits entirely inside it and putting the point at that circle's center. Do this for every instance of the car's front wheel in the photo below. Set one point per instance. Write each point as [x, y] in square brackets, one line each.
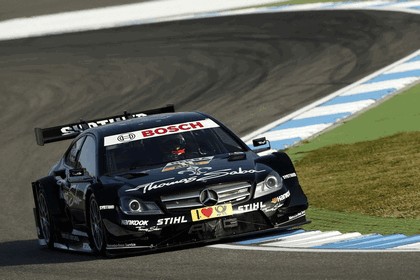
[97, 233]
[45, 222]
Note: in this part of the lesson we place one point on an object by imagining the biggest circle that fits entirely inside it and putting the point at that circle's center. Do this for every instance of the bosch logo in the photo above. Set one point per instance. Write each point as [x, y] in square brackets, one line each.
[209, 197]
[126, 137]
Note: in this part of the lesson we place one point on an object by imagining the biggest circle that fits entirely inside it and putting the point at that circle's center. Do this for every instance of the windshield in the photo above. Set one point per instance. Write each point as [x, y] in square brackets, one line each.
[161, 150]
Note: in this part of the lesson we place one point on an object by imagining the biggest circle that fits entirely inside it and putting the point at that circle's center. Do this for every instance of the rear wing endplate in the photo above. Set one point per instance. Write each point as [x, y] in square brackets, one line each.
[69, 131]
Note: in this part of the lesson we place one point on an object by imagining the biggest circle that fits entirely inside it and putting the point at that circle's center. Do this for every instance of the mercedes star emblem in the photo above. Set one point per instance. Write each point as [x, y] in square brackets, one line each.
[209, 197]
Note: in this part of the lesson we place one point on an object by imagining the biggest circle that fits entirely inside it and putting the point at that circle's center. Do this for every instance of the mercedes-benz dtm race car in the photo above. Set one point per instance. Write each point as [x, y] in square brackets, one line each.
[160, 179]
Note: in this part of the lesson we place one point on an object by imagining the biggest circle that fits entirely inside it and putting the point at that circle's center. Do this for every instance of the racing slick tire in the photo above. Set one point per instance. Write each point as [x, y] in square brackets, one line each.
[96, 228]
[46, 223]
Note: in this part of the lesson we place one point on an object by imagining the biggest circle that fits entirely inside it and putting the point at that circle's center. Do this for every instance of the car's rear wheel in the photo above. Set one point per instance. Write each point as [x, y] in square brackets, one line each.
[97, 232]
[45, 222]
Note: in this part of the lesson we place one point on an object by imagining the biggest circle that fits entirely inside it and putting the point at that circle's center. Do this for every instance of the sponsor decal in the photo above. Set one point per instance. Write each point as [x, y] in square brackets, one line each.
[171, 221]
[195, 170]
[206, 176]
[140, 225]
[134, 222]
[277, 202]
[273, 208]
[280, 198]
[290, 175]
[186, 163]
[126, 137]
[160, 131]
[150, 229]
[81, 127]
[106, 207]
[300, 214]
[71, 198]
[251, 207]
[121, 245]
[212, 212]
[156, 185]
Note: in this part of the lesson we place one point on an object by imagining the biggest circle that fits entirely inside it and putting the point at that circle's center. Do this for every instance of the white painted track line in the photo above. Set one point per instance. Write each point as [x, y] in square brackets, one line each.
[301, 241]
[116, 16]
[298, 132]
[350, 107]
[401, 83]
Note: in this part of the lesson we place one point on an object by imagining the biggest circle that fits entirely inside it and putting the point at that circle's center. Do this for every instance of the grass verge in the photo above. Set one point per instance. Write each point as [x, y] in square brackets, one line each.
[363, 175]
[327, 220]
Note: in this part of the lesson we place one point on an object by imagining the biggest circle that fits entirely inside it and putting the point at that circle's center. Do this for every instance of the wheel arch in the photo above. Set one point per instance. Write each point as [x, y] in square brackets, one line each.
[104, 195]
[279, 161]
[52, 192]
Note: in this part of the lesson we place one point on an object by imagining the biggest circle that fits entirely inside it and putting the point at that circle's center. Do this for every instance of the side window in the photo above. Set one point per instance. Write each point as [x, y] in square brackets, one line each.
[72, 153]
[87, 157]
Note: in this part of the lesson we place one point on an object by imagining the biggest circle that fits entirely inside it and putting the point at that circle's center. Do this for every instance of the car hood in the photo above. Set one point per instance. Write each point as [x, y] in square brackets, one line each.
[192, 174]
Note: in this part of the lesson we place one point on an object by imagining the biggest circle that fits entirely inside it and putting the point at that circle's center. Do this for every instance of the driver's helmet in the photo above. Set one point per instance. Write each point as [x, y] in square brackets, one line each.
[173, 146]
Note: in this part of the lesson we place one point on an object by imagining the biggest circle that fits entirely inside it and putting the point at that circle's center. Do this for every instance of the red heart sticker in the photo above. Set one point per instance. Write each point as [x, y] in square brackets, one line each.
[207, 211]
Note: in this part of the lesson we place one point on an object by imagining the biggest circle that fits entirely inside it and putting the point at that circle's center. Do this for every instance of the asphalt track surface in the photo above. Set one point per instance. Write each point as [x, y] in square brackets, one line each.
[246, 70]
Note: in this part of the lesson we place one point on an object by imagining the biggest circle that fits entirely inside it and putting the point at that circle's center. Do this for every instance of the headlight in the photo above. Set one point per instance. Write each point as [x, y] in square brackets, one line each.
[134, 206]
[273, 182]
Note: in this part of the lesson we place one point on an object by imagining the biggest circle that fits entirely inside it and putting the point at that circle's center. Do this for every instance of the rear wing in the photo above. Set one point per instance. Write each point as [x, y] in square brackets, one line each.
[69, 131]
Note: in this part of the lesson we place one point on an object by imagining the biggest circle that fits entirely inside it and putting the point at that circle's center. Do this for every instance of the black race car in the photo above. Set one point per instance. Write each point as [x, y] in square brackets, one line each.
[160, 179]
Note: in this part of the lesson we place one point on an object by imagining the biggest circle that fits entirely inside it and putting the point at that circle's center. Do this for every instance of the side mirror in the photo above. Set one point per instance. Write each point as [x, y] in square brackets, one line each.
[260, 142]
[78, 175]
[77, 172]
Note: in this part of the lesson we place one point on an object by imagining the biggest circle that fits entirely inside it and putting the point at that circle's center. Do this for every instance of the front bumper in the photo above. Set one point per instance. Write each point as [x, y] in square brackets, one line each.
[139, 233]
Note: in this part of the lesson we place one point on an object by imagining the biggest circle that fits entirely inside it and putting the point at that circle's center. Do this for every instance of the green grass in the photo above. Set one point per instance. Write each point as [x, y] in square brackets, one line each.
[377, 178]
[326, 220]
[363, 175]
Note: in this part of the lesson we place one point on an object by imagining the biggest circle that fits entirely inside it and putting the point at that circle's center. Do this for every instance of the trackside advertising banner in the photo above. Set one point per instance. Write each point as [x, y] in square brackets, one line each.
[158, 131]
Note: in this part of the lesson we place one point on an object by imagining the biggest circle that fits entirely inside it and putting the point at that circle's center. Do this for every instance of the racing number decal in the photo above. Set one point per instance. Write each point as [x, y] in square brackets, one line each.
[216, 211]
